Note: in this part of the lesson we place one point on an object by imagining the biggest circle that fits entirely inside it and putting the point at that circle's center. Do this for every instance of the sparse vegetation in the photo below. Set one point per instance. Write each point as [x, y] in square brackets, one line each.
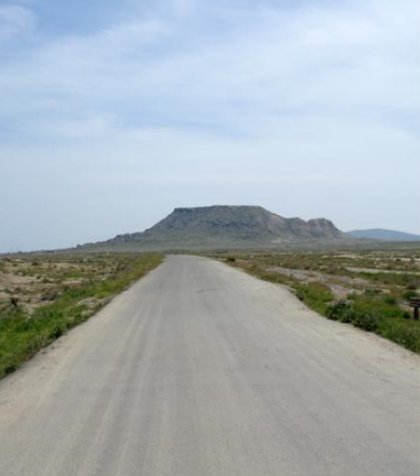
[368, 289]
[63, 291]
[316, 295]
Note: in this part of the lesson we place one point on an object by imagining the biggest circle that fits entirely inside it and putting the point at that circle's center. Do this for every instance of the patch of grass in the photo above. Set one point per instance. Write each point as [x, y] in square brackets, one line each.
[271, 276]
[380, 314]
[410, 294]
[316, 295]
[367, 319]
[392, 279]
[22, 335]
[405, 333]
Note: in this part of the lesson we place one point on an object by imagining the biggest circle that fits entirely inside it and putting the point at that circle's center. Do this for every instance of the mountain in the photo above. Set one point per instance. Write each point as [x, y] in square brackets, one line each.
[223, 226]
[384, 235]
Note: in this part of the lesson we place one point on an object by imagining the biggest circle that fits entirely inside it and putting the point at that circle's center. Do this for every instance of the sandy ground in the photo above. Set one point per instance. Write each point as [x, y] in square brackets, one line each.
[341, 286]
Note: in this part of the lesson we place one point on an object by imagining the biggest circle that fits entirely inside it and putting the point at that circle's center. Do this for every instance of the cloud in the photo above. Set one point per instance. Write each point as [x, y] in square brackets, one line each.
[15, 21]
[271, 62]
[348, 61]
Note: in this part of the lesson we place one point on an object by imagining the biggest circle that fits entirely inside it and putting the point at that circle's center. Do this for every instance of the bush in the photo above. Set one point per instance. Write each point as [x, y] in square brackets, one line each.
[341, 311]
[369, 321]
[390, 300]
[369, 292]
[316, 295]
[410, 294]
[49, 295]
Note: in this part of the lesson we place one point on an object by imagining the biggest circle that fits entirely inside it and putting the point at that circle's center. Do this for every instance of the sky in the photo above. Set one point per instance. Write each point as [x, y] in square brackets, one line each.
[112, 113]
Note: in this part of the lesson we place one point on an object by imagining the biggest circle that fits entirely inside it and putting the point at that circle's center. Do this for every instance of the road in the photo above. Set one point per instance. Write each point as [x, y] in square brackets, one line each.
[200, 369]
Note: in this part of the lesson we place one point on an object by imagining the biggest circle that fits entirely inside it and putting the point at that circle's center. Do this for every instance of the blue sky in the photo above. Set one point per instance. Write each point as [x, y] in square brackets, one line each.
[113, 113]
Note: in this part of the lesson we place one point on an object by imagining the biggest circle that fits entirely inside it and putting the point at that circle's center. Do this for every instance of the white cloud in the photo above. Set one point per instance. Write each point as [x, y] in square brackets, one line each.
[328, 58]
[15, 20]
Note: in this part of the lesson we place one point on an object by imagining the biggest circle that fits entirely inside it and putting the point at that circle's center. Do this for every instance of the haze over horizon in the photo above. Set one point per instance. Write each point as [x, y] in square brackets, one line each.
[114, 113]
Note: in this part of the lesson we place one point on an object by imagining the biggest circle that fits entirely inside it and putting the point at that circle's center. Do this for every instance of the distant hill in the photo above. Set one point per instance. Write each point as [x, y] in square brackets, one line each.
[223, 226]
[384, 235]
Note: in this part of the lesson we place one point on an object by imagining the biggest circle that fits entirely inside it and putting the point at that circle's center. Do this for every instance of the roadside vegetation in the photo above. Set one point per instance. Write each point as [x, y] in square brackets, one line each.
[43, 296]
[368, 289]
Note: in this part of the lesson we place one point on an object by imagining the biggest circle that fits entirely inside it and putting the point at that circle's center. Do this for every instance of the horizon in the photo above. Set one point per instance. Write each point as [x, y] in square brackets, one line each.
[111, 112]
[207, 207]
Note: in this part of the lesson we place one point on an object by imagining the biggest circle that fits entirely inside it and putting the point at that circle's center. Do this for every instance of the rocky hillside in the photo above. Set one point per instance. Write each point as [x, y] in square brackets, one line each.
[225, 226]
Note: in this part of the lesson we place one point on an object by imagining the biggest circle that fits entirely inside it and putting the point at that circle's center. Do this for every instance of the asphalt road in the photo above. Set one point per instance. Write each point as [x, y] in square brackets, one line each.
[200, 369]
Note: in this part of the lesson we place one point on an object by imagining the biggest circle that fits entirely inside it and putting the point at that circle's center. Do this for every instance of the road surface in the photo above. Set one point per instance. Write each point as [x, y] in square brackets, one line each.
[200, 369]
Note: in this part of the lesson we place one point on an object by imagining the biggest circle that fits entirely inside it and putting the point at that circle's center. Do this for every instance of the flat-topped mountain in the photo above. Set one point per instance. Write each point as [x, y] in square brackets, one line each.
[224, 226]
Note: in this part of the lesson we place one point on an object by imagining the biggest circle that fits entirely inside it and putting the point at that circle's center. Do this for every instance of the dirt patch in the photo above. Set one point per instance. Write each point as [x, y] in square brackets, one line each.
[34, 282]
[340, 286]
[376, 271]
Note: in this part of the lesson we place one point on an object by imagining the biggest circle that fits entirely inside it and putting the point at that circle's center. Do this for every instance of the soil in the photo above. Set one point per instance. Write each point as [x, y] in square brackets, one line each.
[340, 286]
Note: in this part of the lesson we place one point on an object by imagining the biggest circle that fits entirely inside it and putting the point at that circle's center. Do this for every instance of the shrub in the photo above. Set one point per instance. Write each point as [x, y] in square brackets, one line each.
[390, 300]
[367, 321]
[49, 295]
[341, 311]
[410, 294]
[369, 292]
[316, 295]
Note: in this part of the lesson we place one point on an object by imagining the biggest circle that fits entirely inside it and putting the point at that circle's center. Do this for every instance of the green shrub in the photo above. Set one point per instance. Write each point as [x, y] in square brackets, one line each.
[344, 311]
[49, 295]
[341, 311]
[367, 321]
[410, 294]
[390, 300]
[316, 295]
[369, 292]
